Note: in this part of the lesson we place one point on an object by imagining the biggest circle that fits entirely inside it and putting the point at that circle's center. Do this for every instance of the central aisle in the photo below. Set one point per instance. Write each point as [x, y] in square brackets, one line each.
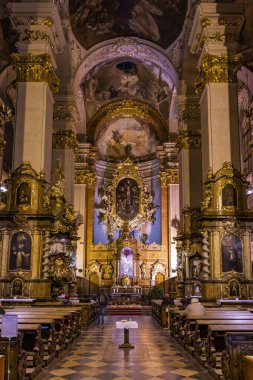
[95, 355]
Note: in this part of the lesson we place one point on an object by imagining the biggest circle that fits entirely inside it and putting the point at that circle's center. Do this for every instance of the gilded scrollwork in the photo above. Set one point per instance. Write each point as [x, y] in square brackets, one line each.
[47, 21]
[20, 220]
[107, 271]
[127, 201]
[65, 112]
[85, 177]
[35, 35]
[189, 140]
[189, 112]
[64, 139]
[169, 176]
[35, 68]
[218, 69]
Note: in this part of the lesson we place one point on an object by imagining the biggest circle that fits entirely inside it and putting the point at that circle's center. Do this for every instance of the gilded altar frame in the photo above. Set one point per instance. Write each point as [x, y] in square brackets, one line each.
[129, 170]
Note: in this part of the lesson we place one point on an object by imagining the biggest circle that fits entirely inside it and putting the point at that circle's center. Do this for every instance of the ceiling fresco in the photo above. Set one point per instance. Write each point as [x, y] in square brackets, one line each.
[159, 21]
[127, 138]
[125, 79]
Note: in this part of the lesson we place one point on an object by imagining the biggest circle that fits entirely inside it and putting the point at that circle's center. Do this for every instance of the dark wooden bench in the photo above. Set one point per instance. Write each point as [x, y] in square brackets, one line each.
[238, 345]
[216, 343]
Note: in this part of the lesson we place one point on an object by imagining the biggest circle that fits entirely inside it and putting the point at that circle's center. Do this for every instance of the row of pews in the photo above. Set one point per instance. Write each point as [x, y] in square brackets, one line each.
[219, 340]
[44, 331]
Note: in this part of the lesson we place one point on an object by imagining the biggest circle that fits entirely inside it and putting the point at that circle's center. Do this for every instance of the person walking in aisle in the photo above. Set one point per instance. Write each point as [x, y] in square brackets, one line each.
[102, 302]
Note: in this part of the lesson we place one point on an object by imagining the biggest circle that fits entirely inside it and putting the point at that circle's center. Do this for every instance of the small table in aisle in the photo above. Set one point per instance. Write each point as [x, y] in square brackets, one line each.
[126, 325]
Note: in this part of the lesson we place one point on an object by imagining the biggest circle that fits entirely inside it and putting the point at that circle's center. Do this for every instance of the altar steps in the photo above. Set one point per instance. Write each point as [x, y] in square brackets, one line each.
[128, 310]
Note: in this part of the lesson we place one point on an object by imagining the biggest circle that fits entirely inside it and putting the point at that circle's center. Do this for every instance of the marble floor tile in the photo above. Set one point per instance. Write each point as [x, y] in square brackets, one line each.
[95, 355]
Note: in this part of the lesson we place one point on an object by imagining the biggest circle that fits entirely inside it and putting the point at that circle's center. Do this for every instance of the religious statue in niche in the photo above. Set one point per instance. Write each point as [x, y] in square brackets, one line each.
[234, 290]
[126, 267]
[196, 266]
[229, 196]
[20, 251]
[231, 251]
[23, 194]
[127, 199]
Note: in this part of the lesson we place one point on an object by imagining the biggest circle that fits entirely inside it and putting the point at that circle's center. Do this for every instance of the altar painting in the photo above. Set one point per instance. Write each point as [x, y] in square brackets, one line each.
[231, 250]
[127, 199]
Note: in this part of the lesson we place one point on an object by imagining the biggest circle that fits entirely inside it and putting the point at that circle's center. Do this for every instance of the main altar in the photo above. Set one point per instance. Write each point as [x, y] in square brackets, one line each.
[126, 213]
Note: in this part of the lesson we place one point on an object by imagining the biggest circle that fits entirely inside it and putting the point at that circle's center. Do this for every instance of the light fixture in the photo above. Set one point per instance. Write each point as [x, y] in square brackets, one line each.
[3, 188]
[250, 190]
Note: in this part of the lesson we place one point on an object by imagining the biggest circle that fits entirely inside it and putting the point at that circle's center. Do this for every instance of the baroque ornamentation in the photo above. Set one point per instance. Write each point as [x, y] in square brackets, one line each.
[65, 112]
[47, 21]
[126, 203]
[189, 140]
[169, 176]
[64, 139]
[35, 35]
[189, 112]
[36, 68]
[127, 108]
[85, 177]
[218, 69]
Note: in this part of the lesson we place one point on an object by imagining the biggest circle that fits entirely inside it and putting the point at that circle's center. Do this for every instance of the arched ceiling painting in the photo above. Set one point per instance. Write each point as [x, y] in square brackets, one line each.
[122, 79]
[127, 137]
[159, 21]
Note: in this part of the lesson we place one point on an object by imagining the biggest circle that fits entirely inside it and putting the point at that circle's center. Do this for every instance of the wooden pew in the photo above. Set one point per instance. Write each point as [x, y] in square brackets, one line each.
[160, 312]
[200, 334]
[186, 329]
[216, 343]
[238, 345]
[87, 310]
[17, 357]
[67, 322]
[28, 359]
[72, 318]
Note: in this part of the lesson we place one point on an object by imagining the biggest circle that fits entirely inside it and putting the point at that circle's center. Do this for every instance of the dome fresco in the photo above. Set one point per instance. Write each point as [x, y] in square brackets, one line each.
[122, 79]
[159, 21]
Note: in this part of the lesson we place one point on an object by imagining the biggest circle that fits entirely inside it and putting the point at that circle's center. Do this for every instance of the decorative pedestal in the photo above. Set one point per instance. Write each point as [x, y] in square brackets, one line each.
[126, 325]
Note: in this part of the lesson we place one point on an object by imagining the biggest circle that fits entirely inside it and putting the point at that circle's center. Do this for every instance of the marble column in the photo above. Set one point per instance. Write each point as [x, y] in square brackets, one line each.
[213, 38]
[189, 145]
[41, 38]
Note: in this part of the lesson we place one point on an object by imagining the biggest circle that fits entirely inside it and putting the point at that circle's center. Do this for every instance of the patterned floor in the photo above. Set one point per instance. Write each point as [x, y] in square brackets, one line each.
[95, 355]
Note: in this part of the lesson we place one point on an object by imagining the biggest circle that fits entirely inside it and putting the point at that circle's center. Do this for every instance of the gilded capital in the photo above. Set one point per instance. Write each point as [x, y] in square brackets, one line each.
[169, 176]
[218, 69]
[85, 177]
[35, 68]
[64, 139]
[189, 140]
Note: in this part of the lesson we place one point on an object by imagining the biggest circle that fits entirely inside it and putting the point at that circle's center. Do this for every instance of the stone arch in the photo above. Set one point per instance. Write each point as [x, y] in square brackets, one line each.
[131, 47]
